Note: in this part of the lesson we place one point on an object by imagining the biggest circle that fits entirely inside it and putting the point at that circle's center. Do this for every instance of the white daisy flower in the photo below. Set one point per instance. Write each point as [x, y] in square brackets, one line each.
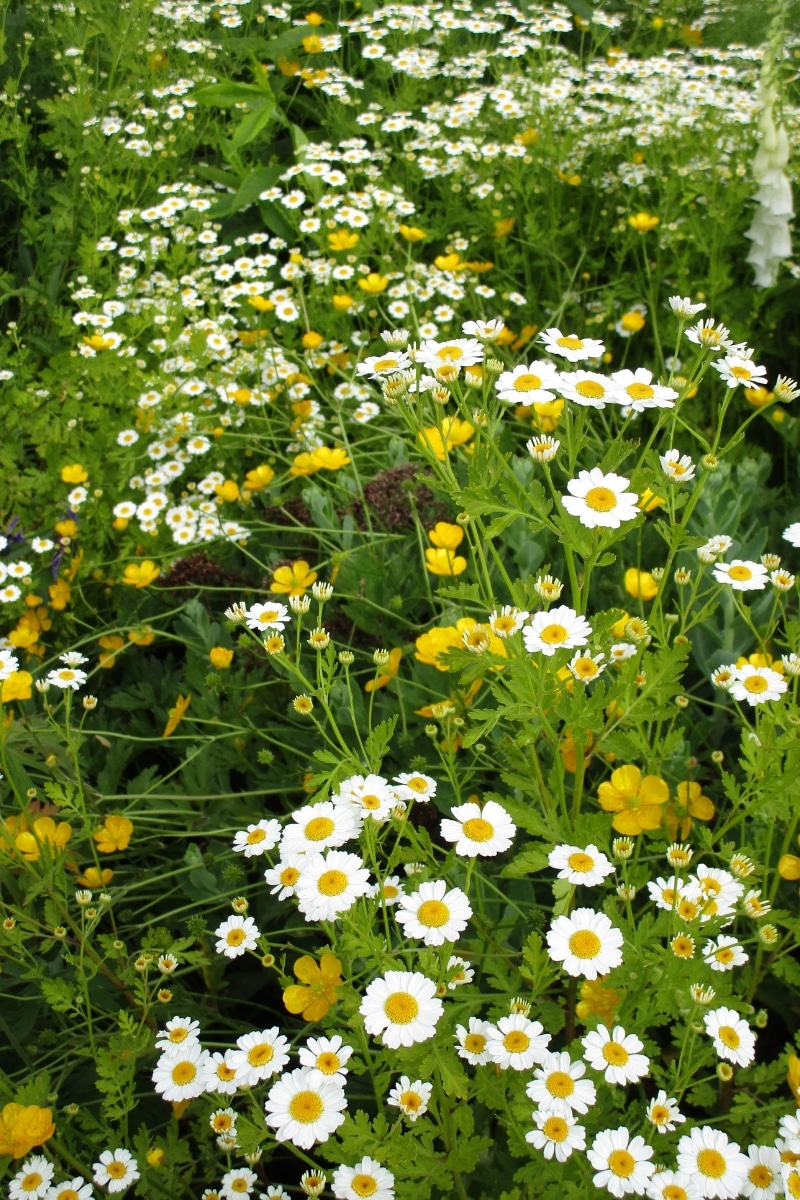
[402, 1006]
[73, 658]
[305, 1106]
[479, 831]
[258, 1055]
[388, 891]
[257, 839]
[178, 1031]
[600, 501]
[221, 1076]
[507, 621]
[738, 369]
[384, 364]
[636, 390]
[370, 796]
[756, 685]
[236, 936]
[709, 335]
[663, 1112]
[792, 534]
[267, 616]
[558, 1086]
[682, 307]
[789, 1132]
[434, 914]
[622, 1163]
[724, 953]
[791, 1180]
[588, 389]
[617, 1054]
[543, 448]
[66, 678]
[472, 1042]
[8, 664]
[517, 1042]
[330, 884]
[732, 1036]
[237, 1183]
[672, 1185]
[570, 346]
[667, 893]
[586, 667]
[366, 1178]
[585, 943]
[556, 1135]
[458, 352]
[411, 1098]
[528, 385]
[676, 466]
[558, 629]
[720, 890]
[318, 827]
[459, 972]
[587, 867]
[32, 1180]
[764, 1175]
[283, 877]
[741, 575]
[328, 1055]
[413, 785]
[486, 331]
[71, 1189]
[715, 1163]
[115, 1170]
[181, 1072]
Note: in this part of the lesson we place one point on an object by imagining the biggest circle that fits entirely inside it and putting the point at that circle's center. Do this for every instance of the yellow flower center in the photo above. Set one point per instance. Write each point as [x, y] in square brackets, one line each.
[306, 1107]
[527, 383]
[590, 389]
[449, 354]
[478, 830]
[385, 364]
[687, 910]
[235, 937]
[761, 1176]
[401, 1008]
[756, 684]
[411, 1101]
[328, 1063]
[371, 802]
[183, 1073]
[116, 1169]
[674, 1192]
[585, 944]
[601, 499]
[433, 914]
[556, 1129]
[711, 1163]
[570, 343]
[255, 836]
[332, 883]
[792, 1184]
[560, 1084]
[729, 1037]
[418, 785]
[178, 1035]
[725, 955]
[659, 1114]
[239, 1185]
[554, 635]
[682, 947]
[318, 828]
[364, 1185]
[580, 862]
[68, 1194]
[289, 876]
[621, 1163]
[222, 1123]
[740, 573]
[504, 625]
[516, 1042]
[475, 1043]
[268, 616]
[224, 1072]
[389, 891]
[31, 1182]
[615, 1054]
[585, 668]
[260, 1055]
[640, 391]
[741, 372]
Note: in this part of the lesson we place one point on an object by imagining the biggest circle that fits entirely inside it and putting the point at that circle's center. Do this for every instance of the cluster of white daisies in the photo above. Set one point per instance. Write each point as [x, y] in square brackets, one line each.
[115, 1171]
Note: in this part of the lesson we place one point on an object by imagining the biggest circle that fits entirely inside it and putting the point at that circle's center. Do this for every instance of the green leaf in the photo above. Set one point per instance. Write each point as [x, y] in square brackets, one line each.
[276, 47]
[251, 125]
[226, 94]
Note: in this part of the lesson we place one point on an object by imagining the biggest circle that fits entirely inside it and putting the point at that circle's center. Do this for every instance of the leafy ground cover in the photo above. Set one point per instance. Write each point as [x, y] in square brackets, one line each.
[399, 605]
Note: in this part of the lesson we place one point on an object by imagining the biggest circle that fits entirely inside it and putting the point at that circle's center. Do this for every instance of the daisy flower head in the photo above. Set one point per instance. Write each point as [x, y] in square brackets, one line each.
[622, 1163]
[683, 308]
[543, 448]
[71, 1189]
[588, 389]
[791, 1179]
[457, 352]
[472, 1042]
[708, 334]
[330, 884]
[756, 685]
[558, 1086]
[66, 678]
[267, 616]
[413, 785]
[366, 1178]
[485, 331]
[724, 953]
[663, 1112]
[715, 1163]
[672, 1185]
[600, 501]
[317, 827]
[258, 1055]
[556, 1135]
[479, 832]
[178, 1031]
[742, 575]
[329, 1055]
[557, 629]
[585, 943]
[370, 796]
[617, 1054]
[411, 1098]
[256, 839]
[676, 466]
[586, 667]
[115, 1170]
[181, 1072]
[32, 1180]
[732, 1037]
[637, 392]
[459, 972]
[221, 1078]
[384, 364]
[570, 346]
[236, 935]
[588, 867]
[738, 369]
[304, 1106]
[238, 1182]
[532, 384]
[283, 877]
[507, 621]
[764, 1174]
[433, 914]
[517, 1042]
[792, 534]
[402, 1006]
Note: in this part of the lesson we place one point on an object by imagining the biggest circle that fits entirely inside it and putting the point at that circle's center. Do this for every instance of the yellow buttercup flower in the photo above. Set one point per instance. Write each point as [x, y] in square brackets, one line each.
[454, 432]
[318, 989]
[294, 580]
[141, 574]
[636, 800]
[95, 878]
[23, 1126]
[176, 715]
[503, 227]
[45, 829]
[342, 240]
[342, 302]
[448, 536]
[412, 233]
[59, 593]
[221, 657]
[443, 562]
[16, 686]
[373, 284]
[261, 303]
[110, 643]
[632, 322]
[329, 458]
[689, 804]
[227, 491]
[74, 473]
[114, 833]
[597, 1000]
[640, 584]
[643, 222]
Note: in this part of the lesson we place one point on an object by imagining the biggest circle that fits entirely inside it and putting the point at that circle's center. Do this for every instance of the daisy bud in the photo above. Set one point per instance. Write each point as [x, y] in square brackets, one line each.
[380, 658]
[725, 1072]
[626, 891]
[300, 604]
[702, 995]
[761, 1018]
[682, 701]
[240, 904]
[622, 847]
[319, 639]
[493, 366]
[709, 462]
[312, 1183]
[768, 935]
[682, 576]
[395, 339]
[346, 658]
[771, 561]
[303, 705]
[268, 961]
[164, 996]
[275, 644]
[520, 1006]
[322, 591]
[717, 757]
[786, 389]
[742, 866]
[83, 897]
[167, 963]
